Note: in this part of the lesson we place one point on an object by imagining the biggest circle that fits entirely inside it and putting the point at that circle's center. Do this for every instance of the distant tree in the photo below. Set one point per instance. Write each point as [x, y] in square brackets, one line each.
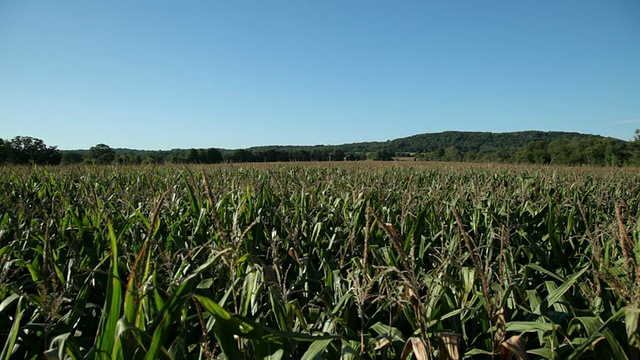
[29, 150]
[211, 156]
[438, 154]
[152, 158]
[470, 155]
[172, 157]
[351, 157]
[634, 149]
[133, 158]
[588, 152]
[535, 152]
[270, 155]
[403, 154]
[337, 155]
[319, 155]
[126, 158]
[71, 158]
[616, 153]
[5, 148]
[192, 156]
[381, 155]
[452, 153]
[301, 155]
[560, 152]
[360, 156]
[241, 155]
[101, 154]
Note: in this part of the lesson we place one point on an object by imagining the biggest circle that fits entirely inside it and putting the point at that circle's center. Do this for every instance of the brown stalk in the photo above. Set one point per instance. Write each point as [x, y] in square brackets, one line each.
[597, 251]
[367, 238]
[408, 274]
[134, 275]
[449, 346]
[627, 245]
[205, 343]
[484, 282]
[214, 211]
[405, 197]
[501, 256]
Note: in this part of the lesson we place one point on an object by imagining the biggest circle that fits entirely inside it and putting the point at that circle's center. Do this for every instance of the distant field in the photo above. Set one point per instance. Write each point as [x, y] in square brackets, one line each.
[320, 260]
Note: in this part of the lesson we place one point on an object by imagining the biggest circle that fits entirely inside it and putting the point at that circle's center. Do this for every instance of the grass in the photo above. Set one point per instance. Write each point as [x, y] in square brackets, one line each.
[290, 261]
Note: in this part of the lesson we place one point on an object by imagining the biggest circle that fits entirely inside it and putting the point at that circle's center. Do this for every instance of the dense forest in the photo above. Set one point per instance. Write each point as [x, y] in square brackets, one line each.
[537, 147]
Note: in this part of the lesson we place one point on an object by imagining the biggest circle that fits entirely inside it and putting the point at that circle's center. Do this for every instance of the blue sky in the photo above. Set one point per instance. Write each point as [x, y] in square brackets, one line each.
[235, 74]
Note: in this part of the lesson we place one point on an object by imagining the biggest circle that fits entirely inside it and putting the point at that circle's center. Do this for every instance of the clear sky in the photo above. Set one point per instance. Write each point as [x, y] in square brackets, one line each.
[234, 74]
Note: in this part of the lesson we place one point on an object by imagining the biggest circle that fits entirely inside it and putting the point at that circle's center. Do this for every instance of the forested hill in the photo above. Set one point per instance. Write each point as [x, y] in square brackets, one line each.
[540, 147]
[481, 141]
[554, 147]
[524, 146]
[467, 141]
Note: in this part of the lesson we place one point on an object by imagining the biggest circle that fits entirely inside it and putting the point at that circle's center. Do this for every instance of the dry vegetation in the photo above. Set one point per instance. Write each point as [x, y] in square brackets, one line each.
[359, 261]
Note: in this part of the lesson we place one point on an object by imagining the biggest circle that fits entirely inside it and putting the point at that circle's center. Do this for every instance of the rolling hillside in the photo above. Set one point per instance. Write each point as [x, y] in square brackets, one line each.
[462, 140]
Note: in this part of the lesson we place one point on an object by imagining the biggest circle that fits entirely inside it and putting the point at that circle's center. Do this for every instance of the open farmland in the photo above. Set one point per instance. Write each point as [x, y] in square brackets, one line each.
[361, 260]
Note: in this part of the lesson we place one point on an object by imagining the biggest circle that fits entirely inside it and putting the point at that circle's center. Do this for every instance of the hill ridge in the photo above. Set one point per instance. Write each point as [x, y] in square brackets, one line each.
[416, 143]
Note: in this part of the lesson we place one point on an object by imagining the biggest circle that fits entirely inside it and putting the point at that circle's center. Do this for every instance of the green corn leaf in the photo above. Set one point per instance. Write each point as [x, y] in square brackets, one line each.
[614, 346]
[252, 285]
[590, 324]
[544, 353]
[8, 301]
[137, 340]
[348, 350]
[278, 309]
[109, 320]
[316, 349]
[246, 328]
[195, 208]
[277, 355]
[631, 321]
[9, 344]
[386, 330]
[557, 294]
[64, 344]
[172, 307]
[543, 271]
[596, 336]
[213, 307]
[529, 326]
[227, 342]
[474, 352]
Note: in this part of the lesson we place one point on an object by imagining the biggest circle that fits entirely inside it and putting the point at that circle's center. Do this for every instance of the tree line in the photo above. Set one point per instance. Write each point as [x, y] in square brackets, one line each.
[25, 150]
[526, 147]
[28, 150]
[576, 151]
[16, 152]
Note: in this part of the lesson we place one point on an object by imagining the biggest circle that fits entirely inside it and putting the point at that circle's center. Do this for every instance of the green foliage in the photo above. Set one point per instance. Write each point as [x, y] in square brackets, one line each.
[71, 157]
[101, 154]
[381, 155]
[532, 147]
[27, 150]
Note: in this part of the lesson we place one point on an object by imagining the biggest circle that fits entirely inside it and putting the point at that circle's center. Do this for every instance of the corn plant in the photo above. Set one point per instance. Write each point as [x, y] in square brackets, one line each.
[291, 261]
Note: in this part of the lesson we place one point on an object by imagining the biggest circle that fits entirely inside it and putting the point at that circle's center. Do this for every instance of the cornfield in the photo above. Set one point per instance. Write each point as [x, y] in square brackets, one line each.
[324, 261]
